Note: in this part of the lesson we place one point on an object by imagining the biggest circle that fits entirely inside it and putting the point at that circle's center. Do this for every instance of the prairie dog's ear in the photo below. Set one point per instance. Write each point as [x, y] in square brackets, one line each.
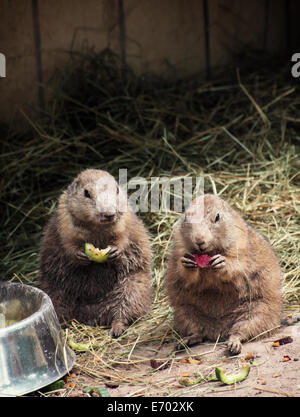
[73, 187]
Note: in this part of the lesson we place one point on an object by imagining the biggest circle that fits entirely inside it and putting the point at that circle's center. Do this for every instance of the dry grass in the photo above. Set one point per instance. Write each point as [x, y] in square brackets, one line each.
[239, 133]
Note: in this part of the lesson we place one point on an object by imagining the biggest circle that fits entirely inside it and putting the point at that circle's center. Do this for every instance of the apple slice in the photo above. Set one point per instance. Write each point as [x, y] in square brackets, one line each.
[95, 254]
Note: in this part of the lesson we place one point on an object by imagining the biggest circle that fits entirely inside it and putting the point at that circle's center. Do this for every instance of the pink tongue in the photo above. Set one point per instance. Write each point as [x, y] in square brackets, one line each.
[202, 261]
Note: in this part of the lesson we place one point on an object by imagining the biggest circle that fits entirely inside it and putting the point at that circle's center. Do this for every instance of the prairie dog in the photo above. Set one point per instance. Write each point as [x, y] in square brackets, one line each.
[238, 295]
[93, 209]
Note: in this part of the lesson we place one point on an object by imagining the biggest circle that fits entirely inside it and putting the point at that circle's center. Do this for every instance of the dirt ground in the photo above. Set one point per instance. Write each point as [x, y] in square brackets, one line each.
[274, 371]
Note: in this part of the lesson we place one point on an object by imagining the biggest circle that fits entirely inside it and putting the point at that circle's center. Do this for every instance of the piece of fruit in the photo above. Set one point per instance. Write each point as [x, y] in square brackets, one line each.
[80, 347]
[95, 254]
[202, 261]
[101, 391]
[54, 386]
[232, 378]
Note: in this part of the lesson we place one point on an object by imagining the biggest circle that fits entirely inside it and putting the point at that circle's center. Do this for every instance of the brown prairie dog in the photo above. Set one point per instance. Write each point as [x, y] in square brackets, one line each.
[94, 210]
[238, 295]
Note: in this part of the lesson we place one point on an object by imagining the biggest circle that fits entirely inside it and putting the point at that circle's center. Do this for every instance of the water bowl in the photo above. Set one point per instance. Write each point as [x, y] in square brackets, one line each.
[33, 351]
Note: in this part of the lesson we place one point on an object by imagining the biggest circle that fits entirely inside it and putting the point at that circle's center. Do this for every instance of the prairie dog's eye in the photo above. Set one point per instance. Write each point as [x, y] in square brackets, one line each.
[217, 218]
[87, 194]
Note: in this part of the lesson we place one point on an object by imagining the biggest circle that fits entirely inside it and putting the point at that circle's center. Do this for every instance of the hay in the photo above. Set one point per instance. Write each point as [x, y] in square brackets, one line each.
[238, 133]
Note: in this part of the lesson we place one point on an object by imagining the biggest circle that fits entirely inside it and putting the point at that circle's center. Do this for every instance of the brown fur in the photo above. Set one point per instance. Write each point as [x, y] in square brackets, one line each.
[115, 292]
[237, 299]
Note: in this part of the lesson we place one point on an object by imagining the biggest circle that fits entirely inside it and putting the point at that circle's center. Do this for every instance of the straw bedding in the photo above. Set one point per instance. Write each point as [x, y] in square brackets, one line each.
[239, 132]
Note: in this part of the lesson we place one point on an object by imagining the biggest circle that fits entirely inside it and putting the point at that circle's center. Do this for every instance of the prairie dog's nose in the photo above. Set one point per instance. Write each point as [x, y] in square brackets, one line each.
[108, 215]
[200, 243]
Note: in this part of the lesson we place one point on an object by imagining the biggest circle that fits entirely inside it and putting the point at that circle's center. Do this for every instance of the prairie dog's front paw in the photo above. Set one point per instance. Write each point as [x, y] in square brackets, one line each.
[82, 258]
[218, 261]
[188, 261]
[114, 253]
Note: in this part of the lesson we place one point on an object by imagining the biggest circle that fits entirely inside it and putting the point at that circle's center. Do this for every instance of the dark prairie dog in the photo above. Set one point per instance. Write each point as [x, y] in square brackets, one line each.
[94, 210]
[236, 297]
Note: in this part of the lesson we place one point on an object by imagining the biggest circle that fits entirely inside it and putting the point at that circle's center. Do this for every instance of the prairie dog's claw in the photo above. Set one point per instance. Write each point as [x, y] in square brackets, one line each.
[188, 261]
[114, 252]
[82, 258]
[117, 328]
[234, 345]
[218, 261]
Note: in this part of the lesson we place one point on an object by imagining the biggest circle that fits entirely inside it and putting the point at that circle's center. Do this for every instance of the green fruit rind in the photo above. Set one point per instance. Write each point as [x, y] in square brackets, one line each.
[233, 378]
[95, 254]
[100, 390]
[79, 347]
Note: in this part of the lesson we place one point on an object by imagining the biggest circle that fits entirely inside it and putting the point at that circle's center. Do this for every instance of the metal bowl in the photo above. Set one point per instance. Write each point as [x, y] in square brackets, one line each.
[33, 352]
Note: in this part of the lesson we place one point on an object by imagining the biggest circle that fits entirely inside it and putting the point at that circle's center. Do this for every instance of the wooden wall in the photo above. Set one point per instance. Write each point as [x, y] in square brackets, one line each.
[186, 36]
